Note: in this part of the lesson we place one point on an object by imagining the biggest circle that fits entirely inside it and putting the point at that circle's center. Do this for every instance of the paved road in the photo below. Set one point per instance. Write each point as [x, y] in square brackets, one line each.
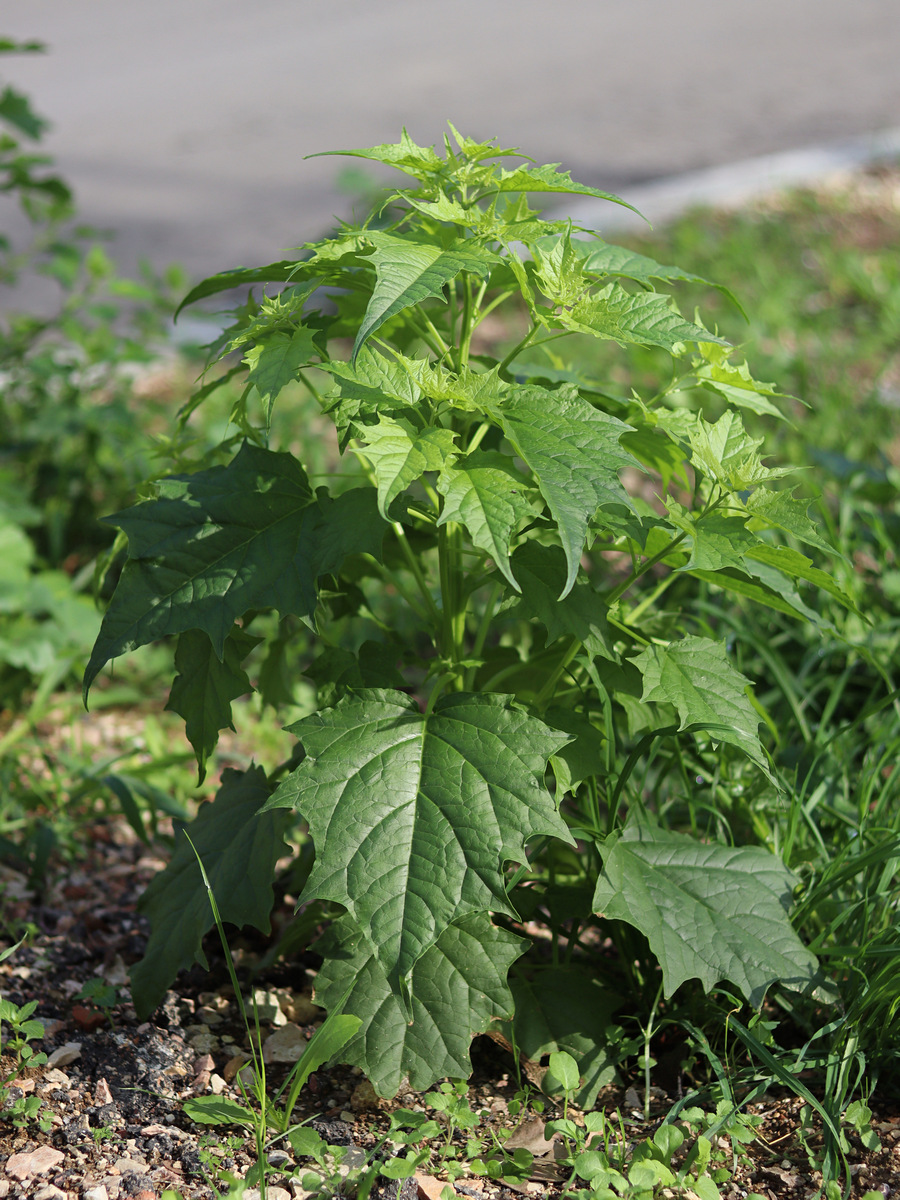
[183, 123]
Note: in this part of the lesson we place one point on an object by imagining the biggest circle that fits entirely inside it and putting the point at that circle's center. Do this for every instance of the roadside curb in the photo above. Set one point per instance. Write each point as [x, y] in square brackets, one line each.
[732, 185]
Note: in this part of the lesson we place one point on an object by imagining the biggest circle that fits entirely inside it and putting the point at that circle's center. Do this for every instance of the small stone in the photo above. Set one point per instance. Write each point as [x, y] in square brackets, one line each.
[300, 1008]
[57, 1079]
[285, 1044]
[98, 1192]
[274, 1193]
[4, 1187]
[431, 1188]
[204, 1042]
[64, 1055]
[102, 1094]
[233, 1065]
[131, 1164]
[23, 1166]
[268, 1006]
[205, 1062]
[217, 1084]
[209, 1016]
[278, 1158]
[364, 1097]
[49, 1192]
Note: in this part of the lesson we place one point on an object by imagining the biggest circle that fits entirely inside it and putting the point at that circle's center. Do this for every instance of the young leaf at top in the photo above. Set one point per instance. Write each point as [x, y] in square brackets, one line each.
[695, 675]
[602, 258]
[709, 912]
[645, 319]
[401, 453]
[413, 816]
[458, 987]
[239, 850]
[550, 179]
[573, 450]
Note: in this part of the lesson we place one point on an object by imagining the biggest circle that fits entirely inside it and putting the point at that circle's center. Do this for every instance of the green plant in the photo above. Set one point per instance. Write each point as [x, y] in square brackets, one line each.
[21, 1029]
[516, 691]
[259, 1112]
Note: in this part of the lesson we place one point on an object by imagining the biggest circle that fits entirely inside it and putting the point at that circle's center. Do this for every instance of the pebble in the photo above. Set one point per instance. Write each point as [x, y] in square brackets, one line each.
[274, 1193]
[102, 1094]
[285, 1044]
[98, 1192]
[268, 1006]
[64, 1055]
[24, 1165]
[49, 1192]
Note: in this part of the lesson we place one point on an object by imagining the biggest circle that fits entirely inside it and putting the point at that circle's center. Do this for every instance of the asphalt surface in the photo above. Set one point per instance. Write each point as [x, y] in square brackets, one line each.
[183, 124]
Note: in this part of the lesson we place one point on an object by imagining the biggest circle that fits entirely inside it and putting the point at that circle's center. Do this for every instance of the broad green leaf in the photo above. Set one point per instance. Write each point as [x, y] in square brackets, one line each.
[458, 987]
[413, 816]
[276, 362]
[223, 541]
[709, 693]
[573, 450]
[725, 452]
[581, 613]
[205, 686]
[602, 258]
[401, 454]
[566, 1009]
[466, 389]
[279, 272]
[709, 912]
[486, 494]
[781, 511]
[239, 850]
[644, 319]
[549, 179]
[409, 272]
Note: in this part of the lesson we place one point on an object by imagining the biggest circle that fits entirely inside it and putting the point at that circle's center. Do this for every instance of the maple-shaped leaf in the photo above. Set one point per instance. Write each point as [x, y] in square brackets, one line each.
[218, 543]
[644, 319]
[407, 272]
[373, 385]
[486, 494]
[715, 540]
[710, 912]
[401, 453]
[205, 686]
[239, 850]
[573, 451]
[458, 988]
[725, 452]
[414, 815]
[276, 361]
[708, 692]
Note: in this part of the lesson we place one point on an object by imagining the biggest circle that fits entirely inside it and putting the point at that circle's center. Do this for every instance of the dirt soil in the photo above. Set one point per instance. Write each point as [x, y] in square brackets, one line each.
[113, 1088]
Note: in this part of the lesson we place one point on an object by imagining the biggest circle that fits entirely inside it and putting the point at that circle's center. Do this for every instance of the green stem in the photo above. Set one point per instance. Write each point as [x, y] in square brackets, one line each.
[484, 626]
[465, 331]
[519, 346]
[545, 695]
[647, 565]
[413, 563]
